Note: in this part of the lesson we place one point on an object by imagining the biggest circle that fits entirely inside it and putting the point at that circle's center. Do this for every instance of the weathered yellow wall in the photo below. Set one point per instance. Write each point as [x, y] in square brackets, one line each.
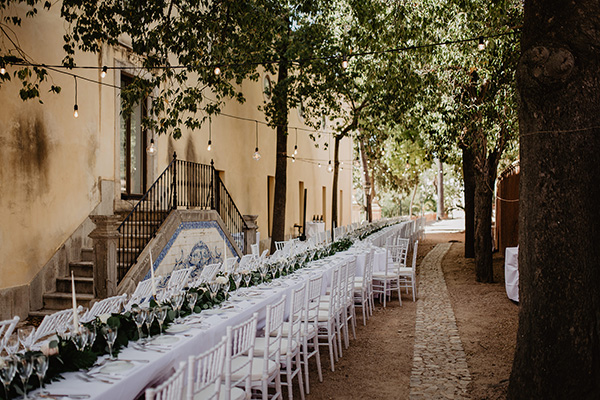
[51, 163]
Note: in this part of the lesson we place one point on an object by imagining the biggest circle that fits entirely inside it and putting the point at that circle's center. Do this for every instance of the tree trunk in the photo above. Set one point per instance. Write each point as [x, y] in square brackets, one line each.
[484, 180]
[278, 227]
[558, 342]
[334, 190]
[368, 183]
[440, 190]
[412, 201]
[469, 184]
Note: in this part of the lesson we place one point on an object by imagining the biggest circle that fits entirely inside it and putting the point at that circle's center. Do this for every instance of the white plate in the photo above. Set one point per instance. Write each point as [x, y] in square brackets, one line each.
[115, 367]
[177, 328]
[164, 340]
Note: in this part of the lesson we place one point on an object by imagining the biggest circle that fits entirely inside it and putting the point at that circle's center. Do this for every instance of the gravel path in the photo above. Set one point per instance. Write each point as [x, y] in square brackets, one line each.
[440, 368]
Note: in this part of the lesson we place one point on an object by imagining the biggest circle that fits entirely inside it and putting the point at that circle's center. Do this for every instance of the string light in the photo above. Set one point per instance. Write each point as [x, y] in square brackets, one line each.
[151, 149]
[296, 145]
[2, 69]
[217, 71]
[209, 134]
[104, 71]
[75, 107]
[256, 154]
[481, 45]
[345, 62]
[330, 167]
[293, 159]
[319, 165]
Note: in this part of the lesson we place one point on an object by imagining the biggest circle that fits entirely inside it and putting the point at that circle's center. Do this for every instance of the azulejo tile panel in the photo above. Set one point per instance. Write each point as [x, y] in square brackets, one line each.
[194, 244]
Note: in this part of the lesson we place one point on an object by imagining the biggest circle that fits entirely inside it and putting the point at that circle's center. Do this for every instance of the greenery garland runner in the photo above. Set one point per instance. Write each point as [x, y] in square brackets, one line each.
[64, 356]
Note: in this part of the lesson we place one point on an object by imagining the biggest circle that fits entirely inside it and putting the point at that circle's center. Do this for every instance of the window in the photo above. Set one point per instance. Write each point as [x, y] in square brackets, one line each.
[133, 161]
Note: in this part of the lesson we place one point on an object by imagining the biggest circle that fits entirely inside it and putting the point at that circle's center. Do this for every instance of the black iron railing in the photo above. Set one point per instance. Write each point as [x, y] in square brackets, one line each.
[182, 184]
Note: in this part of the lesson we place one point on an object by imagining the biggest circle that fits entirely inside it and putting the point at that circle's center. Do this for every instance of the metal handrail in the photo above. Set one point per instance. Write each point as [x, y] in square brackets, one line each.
[181, 184]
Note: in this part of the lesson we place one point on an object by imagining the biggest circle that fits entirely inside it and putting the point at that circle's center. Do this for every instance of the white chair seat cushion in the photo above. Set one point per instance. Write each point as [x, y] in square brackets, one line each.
[206, 393]
[404, 271]
[260, 344]
[323, 315]
[257, 368]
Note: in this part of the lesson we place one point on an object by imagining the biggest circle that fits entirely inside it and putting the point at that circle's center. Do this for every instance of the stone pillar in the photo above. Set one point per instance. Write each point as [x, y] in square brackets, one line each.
[249, 232]
[105, 255]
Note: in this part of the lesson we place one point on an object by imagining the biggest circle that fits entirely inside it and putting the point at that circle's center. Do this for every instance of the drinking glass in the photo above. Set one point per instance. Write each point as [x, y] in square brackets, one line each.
[192, 297]
[161, 314]
[8, 368]
[149, 319]
[80, 338]
[110, 334]
[24, 369]
[40, 366]
[237, 279]
[12, 345]
[248, 278]
[139, 317]
[177, 301]
[214, 287]
[91, 336]
[26, 336]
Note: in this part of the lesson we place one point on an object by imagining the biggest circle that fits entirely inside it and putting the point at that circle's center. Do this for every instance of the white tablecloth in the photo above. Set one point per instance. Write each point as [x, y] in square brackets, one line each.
[314, 228]
[158, 365]
[511, 272]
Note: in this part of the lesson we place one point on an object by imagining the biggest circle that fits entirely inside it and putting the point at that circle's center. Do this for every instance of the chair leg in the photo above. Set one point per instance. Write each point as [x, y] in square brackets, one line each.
[318, 357]
[300, 380]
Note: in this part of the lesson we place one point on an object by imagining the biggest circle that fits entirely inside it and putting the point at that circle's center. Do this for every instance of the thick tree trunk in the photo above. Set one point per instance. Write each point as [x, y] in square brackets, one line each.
[440, 190]
[558, 342]
[368, 183]
[278, 227]
[334, 190]
[484, 180]
[468, 164]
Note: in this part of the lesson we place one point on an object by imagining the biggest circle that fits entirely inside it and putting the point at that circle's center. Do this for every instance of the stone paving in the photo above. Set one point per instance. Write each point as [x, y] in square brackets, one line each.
[440, 368]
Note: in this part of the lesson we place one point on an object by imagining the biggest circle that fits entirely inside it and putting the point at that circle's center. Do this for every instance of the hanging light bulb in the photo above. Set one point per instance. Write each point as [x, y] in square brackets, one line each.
[151, 149]
[293, 158]
[345, 62]
[481, 45]
[217, 71]
[295, 149]
[75, 107]
[2, 70]
[209, 135]
[256, 154]
[319, 165]
[103, 73]
[330, 167]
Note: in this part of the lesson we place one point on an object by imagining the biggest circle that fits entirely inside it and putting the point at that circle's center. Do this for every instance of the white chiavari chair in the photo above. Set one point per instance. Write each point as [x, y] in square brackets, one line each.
[385, 282]
[6, 329]
[239, 355]
[310, 328]
[408, 275]
[58, 322]
[204, 375]
[362, 293]
[109, 305]
[179, 279]
[171, 389]
[328, 331]
[254, 248]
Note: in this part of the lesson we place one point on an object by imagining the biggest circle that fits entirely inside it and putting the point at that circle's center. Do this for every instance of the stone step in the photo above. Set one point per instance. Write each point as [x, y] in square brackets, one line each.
[60, 301]
[82, 285]
[82, 269]
[87, 254]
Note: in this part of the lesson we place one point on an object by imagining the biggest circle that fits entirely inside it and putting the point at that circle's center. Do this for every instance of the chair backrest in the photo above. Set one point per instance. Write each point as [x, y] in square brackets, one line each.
[279, 245]
[209, 272]
[273, 332]
[414, 258]
[6, 329]
[350, 277]
[368, 275]
[143, 291]
[231, 264]
[334, 303]
[255, 249]
[313, 301]
[58, 322]
[296, 315]
[107, 306]
[171, 389]
[179, 278]
[246, 261]
[205, 370]
[264, 254]
[240, 345]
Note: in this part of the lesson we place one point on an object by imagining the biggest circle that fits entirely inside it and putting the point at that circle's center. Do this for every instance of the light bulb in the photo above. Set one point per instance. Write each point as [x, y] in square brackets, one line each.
[344, 63]
[295, 149]
[209, 145]
[151, 149]
[330, 167]
[217, 70]
[293, 159]
[481, 45]
[256, 154]
[319, 165]
[75, 111]
[103, 73]
[2, 70]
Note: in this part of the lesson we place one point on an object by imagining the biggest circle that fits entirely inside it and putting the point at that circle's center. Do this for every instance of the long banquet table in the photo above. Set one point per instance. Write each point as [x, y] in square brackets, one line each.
[139, 368]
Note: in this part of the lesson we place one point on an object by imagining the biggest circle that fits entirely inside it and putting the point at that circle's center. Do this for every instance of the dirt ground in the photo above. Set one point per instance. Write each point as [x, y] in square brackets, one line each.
[378, 363]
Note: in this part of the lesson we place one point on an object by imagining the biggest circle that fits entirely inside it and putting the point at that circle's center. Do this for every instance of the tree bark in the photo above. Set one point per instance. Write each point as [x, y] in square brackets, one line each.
[279, 201]
[368, 183]
[334, 190]
[558, 341]
[469, 184]
[440, 190]
[484, 181]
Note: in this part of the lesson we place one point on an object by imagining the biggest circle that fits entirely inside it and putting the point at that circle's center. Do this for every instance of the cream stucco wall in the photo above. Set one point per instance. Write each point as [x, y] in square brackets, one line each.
[51, 164]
